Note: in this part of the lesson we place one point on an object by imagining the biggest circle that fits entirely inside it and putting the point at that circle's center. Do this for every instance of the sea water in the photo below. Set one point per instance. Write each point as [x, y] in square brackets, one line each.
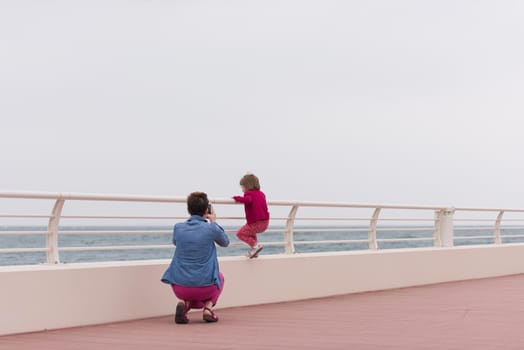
[142, 238]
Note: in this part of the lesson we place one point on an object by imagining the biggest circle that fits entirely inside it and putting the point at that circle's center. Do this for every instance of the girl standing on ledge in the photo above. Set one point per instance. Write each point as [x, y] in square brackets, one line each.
[257, 215]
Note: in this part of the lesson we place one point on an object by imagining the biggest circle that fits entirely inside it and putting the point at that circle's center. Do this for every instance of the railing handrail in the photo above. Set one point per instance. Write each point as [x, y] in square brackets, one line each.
[90, 196]
[180, 199]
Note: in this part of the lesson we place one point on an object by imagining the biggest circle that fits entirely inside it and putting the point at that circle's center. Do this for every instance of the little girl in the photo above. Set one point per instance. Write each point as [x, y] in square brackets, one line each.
[257, 215]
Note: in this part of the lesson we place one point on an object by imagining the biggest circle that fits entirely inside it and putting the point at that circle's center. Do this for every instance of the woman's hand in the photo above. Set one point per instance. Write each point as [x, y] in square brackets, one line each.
[211, 215]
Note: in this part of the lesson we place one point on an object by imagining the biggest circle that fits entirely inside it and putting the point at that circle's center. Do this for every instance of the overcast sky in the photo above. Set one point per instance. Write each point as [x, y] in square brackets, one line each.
[409, 102]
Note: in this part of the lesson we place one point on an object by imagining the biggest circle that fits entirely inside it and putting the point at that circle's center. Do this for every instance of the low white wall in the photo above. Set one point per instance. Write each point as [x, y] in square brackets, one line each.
[49, 297]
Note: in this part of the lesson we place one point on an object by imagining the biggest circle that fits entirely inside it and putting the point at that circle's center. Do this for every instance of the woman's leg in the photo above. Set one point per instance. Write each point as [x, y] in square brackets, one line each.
[209, 315]
[216, 293]
[196, 297]
[182, 308]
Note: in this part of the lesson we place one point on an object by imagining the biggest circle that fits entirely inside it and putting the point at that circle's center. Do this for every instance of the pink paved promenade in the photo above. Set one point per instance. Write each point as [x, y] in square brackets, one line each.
[480, 314]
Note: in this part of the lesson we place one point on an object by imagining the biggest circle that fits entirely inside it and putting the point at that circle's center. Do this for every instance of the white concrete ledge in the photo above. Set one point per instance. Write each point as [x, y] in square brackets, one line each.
[34, 298]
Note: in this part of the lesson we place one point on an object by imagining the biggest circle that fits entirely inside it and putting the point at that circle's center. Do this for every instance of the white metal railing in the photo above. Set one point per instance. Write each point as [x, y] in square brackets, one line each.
[443, 223]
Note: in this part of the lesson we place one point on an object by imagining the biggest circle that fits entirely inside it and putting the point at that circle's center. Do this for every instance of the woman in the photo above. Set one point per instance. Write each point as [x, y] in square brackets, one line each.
[194, 273]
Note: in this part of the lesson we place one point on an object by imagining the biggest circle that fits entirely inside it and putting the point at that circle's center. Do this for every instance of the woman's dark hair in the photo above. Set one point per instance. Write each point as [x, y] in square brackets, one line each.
[197, 203]
[250, 182]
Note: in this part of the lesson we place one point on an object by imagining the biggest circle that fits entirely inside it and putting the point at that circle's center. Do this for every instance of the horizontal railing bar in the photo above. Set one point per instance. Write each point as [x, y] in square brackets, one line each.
[169, 231]
[317, 230]
[92, 197]
[475, 220]
[241, 218]
[407, 229]
[331, 219]
[471, 228]
[22, 250]
[236, 218]
[405, 239]
[238, 244]
[218, 218]
[182, 200]
[354, 205]
[120, 247]
[276, 230]
[21, 233]
[124, 217]
[488, 228]
[362, 229]
[472, 237]
[362, 219]
[488, 220]
[513, 210]
[406, 219]
[332, 241]
[109, 232]
[511, 236]
[25, 216]
[341, 219]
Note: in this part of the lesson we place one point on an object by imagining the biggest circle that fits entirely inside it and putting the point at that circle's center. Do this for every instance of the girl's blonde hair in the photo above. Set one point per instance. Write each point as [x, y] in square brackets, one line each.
[250, 182]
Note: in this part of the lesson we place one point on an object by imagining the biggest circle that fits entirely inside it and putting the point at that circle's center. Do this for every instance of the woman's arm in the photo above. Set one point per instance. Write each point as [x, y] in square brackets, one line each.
[220, 236]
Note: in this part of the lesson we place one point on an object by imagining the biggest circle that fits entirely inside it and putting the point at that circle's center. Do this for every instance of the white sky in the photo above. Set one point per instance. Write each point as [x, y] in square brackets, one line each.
[415, 102]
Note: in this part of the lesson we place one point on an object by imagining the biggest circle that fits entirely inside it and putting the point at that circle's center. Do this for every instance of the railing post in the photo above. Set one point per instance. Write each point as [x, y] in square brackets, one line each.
[497, 238]
[436, 231]
[372, 232]
[52, 233]
[290, 226]
[446, 227]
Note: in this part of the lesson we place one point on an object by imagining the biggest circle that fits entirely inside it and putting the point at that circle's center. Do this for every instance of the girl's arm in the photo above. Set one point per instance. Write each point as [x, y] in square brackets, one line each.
[246, 199]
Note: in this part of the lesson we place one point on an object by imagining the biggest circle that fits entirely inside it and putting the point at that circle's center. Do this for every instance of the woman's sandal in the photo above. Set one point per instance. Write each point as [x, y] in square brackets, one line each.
[181, 313]
[212, 317]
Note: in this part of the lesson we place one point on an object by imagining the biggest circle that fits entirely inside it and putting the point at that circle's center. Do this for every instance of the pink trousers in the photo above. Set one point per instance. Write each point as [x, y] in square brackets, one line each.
[198, 296]
[248, 232]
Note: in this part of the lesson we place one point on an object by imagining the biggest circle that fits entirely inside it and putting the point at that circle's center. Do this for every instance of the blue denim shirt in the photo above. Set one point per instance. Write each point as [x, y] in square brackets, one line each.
[195, 262]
